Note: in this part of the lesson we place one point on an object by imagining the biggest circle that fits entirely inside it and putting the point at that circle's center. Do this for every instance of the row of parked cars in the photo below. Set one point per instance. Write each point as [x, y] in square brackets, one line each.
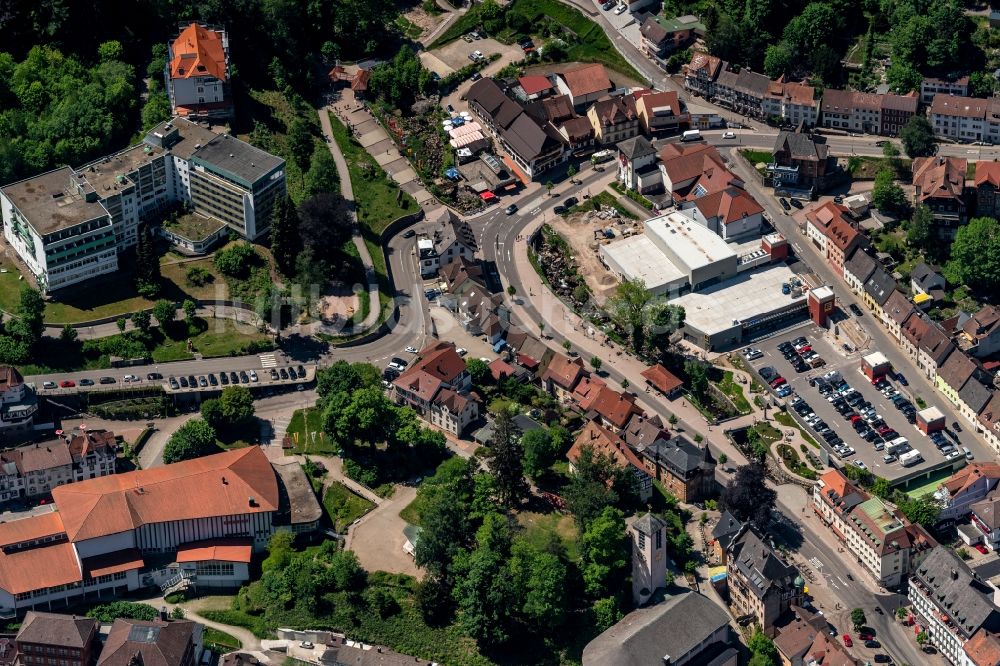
[127, 379]
[803, 409]
[241, 377]
[800, 354]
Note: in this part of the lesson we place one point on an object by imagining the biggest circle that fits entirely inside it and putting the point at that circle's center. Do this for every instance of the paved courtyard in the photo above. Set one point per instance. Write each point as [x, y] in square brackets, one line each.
[377, 537]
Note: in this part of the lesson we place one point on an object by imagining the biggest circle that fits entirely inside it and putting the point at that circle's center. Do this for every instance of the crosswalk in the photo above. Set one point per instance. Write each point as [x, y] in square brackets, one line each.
[268, 360]
[279, 426]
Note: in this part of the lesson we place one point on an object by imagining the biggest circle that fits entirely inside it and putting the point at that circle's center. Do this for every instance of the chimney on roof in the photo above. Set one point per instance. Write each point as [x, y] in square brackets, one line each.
[252, 501]
[224, 482]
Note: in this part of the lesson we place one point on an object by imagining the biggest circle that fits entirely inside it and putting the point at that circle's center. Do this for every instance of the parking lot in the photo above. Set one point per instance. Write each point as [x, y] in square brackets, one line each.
[806, 384]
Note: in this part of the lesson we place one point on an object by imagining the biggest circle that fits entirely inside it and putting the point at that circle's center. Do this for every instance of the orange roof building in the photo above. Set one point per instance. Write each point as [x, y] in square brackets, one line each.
[197, 73]
[214, 512]
[602, 442]
[662, 380]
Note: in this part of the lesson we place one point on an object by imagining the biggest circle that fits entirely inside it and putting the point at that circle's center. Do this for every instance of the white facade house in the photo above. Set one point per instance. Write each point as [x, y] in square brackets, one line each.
[197, 73]
[18, 405]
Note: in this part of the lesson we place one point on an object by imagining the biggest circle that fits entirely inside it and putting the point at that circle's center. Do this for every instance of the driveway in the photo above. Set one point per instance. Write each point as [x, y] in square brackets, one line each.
[456, 54]
[377, 538]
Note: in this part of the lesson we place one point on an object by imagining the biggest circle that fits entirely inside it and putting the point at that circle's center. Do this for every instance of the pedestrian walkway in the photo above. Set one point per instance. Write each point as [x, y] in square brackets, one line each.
[191, 608]
[268, 361]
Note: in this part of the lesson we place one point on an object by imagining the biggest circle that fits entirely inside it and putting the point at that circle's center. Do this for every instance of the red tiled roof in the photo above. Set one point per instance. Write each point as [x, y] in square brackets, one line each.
[500, 368]
[440, 360]
[586, 80]
[614, 407]
[962, 107]
[729, 205]
[587, 390]
[112, 563]
[198, 51]
[216, 485]
[223, 550]
[534, 84]
[661, 378]
[564, 371]
[605, 442]
[37, 568]
[29, 529]
[842, 233]
[939, 177]
[988, 172]
[983, 648]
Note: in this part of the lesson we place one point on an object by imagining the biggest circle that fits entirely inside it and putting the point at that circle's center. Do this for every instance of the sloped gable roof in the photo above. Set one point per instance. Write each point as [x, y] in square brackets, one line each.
[198, 51]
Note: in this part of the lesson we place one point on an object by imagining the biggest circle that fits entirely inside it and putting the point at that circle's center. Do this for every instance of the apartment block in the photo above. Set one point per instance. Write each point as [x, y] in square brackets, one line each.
[931, 87]
[881, 539]
[51, 639]
[69, 225]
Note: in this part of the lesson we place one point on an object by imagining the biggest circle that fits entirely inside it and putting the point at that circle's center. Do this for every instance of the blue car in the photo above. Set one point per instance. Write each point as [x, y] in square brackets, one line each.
[901, 379]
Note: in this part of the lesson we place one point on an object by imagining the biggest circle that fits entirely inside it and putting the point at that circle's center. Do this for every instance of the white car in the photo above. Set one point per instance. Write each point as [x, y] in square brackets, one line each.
[729, 135]
[253, 375]
[621, 9]
[751, 354]
[411, 350]
[860, 464]
[462, 351]
[477, 55]
[130, 378]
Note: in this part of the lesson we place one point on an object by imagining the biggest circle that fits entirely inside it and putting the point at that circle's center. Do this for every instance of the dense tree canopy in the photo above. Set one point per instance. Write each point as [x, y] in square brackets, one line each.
[748, 497]
[194, 439]
[918, 137]
[975, 255]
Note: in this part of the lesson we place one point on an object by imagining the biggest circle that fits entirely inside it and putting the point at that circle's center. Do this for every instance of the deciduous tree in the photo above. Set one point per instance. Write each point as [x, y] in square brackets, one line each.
[748, 497]
[918, 137]
[975, 255]
[605, 555]
[165, 312]
[194, 439]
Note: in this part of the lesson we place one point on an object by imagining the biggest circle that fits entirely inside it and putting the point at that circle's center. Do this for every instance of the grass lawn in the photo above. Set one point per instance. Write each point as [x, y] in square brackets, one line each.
[220, 641]
[735, 392]
[785, 419]
[176, 273]
[754, 157]
[317, 442]
[222, 337]
[865, 168]
[343, 507]
[375, 194]
[768, 432]
[110, 295]
[539, 526]
[411, 512]
[407, 27]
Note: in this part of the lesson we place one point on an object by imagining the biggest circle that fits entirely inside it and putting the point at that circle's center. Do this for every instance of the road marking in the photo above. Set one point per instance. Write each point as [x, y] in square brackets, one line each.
[268, 361]
[817, 564]
[536, 211]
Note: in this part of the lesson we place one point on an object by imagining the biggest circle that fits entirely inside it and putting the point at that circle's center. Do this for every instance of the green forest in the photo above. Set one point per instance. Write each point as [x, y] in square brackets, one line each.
[69, 95]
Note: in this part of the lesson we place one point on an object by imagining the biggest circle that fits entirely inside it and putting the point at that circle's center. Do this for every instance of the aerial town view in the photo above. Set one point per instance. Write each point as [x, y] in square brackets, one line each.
[500, 332]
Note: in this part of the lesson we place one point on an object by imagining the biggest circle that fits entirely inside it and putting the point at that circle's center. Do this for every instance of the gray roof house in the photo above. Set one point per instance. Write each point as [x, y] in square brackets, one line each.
[951, 600]
[925, 279]
[761, 584]
[686, 628]
[879, 287]
[859, 268]
[974, 396]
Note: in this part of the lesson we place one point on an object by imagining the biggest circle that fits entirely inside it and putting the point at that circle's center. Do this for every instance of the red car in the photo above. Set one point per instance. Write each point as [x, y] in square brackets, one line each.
[805, 350]
[67, 383]
[847, 641]
[775, 383]
[981, 548]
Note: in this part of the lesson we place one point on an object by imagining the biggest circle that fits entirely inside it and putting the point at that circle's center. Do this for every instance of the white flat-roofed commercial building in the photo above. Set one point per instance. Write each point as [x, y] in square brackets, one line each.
[699, 253]
[639, 258]
[748, 306]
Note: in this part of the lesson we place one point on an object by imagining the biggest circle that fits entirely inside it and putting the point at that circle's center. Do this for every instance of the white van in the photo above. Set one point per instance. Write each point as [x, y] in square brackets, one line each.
[691, 135]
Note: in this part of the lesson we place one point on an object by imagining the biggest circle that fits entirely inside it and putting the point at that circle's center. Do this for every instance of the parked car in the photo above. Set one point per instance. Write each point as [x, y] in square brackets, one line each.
[784, 203]
[847, 641]
[981, 548]
[729, 135]
[559, 210]
[608, 5]
[183, 381]
[67, 383]
[410, 233]
[212, 380]
[621, 9]
[411, 350]
[853, 307]
[901, 379]
[202, 381]
[48, 385]
[956, 427]
[300, 371]
[152, 376]
[108, 380]
[173, 383]
[796, 203]
[86, 382]
[283, 373]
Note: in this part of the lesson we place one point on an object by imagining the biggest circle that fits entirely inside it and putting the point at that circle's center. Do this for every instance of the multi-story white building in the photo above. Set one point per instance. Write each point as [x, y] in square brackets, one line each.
[931, 87]
[953, 604]
[881, 539]
[210, 514]
[69, 459]
[960, 118]
[69, 225]
[197, 72]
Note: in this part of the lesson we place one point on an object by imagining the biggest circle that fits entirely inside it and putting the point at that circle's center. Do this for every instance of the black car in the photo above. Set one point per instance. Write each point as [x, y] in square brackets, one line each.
[768, 373]
[559, 210]
[881, 658]
[283, 373]
[108, 380]
[300, 370]
[184, 381]
[244, 377]
[956, 427]
[872, 644]
[570, 202]
[234, 378]
[192, 381]
[224, 378]
[855, 309]
[796, 203]
[154, 375]
[398, 361]
[511, 209]
[212, 380]
[389, 374]
[476, 76]
[410, 233]
[784, 203]
[86, 382]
